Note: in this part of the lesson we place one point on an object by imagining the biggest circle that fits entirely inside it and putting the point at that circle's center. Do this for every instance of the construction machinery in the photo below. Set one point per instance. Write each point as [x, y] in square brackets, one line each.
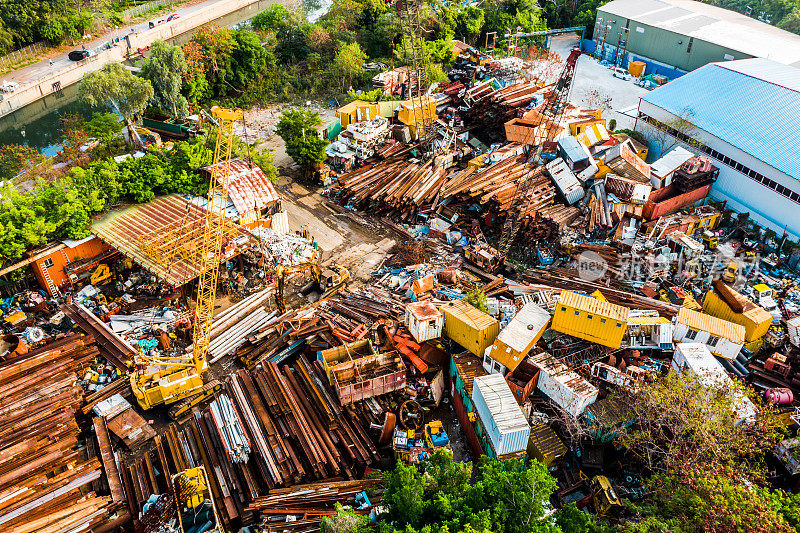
[412, 447]
[325, 281]
[195, 502]
[101, 274]
[158, 379]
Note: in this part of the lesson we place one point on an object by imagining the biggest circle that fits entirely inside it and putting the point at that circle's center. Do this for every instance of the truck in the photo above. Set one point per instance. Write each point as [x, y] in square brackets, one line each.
[764, 296]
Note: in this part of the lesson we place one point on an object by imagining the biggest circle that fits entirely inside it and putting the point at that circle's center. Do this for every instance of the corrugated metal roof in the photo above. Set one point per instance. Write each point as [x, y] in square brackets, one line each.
[248, 187]
[594, 306]
[712, 24]
[756, 112]
[122, 228]
[563, 374]
[645, 320]
[469, 367]
[501, 402]
[423, 310]
[713, 325]
[526, 325]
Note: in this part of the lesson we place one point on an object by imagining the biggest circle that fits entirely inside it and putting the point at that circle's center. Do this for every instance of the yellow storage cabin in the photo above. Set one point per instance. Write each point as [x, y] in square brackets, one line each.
[357, 111]
[590, 319]
[728, 304]
[415, 111]
[470, 327]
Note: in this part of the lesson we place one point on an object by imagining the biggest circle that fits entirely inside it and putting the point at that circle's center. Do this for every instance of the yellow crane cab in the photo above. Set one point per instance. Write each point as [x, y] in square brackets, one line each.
[710, 240]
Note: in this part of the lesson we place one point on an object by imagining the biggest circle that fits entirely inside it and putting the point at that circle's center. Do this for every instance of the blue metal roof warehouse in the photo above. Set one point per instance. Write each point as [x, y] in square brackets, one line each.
[747, 117]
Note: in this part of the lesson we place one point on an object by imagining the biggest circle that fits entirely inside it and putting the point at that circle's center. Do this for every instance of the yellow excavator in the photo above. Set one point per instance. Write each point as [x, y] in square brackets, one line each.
[158, 379]
[327, 281]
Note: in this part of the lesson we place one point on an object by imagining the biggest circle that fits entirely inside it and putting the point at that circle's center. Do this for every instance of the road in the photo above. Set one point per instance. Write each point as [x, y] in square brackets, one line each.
[36, 71]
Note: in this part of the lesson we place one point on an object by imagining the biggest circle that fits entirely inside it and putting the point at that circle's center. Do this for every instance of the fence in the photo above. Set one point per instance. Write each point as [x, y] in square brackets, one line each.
[20, 55]
[148, 7]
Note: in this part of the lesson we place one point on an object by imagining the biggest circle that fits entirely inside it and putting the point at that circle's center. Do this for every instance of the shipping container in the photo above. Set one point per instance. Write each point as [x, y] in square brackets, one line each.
[755, 319]
[424, 321]
[545, 446]
[520, 335]
[669, 200]
[500, 414]
[469, 327]
[522, 381]
[663, 168]
[487, 448]
[722, 337]
[562, 385]
[568, 185]
[647, 330]
[793, 326]
[464, 368]
[590, 319]
[694, 357]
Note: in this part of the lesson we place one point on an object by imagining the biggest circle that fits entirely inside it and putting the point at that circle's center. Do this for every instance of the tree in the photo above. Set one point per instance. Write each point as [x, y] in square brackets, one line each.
[470, 22]
[165, 67]
[596, 98]
[683, 422]
[662, 136]
[104, 127]
[442, 495]
[477, 299]
[713, 499]
[114, 84]
[275, 18]
[348, 62]
[345, 521]
[303, 142]
[52, 31]
[6, 39]
[791, 22]
[16, 158]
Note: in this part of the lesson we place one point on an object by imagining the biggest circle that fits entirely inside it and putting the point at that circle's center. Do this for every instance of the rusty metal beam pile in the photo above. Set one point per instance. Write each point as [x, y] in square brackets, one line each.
[297, 432]
[47, 483]
[492, 110]
[315, 499]
[345, 317]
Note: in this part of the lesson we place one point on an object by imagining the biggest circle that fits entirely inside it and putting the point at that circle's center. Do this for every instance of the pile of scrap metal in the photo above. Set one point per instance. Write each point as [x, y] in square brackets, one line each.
[314, 501]
[272, 427]
[51, 478]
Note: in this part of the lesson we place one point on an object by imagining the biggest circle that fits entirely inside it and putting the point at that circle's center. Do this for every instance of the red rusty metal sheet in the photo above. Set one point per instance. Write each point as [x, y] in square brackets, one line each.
[248, 188]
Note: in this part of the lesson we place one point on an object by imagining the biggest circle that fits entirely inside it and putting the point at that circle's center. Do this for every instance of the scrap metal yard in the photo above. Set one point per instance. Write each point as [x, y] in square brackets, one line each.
[513, 269]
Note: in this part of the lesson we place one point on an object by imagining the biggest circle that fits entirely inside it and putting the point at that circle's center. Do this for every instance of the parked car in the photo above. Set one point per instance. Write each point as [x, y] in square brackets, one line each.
[9, 86]
[77, 55]
[621, 73]
[172, 17]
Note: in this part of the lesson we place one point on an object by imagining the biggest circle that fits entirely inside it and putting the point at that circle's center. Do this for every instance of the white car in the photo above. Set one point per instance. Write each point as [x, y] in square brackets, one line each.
[620, 72]
[8, 86]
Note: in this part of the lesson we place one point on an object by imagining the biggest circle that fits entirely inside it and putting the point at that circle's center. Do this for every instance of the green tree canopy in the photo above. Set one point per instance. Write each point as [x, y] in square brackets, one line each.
[165, 68]
[115, 85]
[303, 143]
[347, 64]
[104, 126]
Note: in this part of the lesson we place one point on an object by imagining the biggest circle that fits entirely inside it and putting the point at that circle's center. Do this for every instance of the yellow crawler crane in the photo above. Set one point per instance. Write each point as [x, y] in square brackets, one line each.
[158, 380]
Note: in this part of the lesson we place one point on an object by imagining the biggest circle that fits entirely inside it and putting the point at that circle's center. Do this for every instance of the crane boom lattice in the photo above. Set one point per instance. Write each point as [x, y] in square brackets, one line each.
[213, 232]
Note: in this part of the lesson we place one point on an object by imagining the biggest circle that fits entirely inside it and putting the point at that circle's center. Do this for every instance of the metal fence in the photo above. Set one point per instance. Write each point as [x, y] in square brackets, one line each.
[141, 9]
[20, 55]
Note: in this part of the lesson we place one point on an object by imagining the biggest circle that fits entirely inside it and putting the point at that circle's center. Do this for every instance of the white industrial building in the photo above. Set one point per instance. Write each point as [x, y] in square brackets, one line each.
[743, 115]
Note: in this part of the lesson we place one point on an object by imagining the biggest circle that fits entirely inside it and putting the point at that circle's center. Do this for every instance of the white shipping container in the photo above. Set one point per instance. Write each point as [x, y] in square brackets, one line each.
[563, 386]
[793, 326]
[696, 358]
[500, 414]
[565, 180]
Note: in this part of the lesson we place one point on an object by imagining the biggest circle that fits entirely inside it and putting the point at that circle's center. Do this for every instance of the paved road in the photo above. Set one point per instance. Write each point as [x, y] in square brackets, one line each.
[34, 72]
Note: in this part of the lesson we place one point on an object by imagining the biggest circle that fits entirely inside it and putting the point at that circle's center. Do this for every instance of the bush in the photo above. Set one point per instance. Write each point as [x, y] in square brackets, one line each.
[612, 124]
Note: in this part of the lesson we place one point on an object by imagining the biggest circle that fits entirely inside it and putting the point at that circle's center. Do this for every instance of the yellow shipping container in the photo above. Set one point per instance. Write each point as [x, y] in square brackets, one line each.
[470, 327]
[755, 319]
[590, 319]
